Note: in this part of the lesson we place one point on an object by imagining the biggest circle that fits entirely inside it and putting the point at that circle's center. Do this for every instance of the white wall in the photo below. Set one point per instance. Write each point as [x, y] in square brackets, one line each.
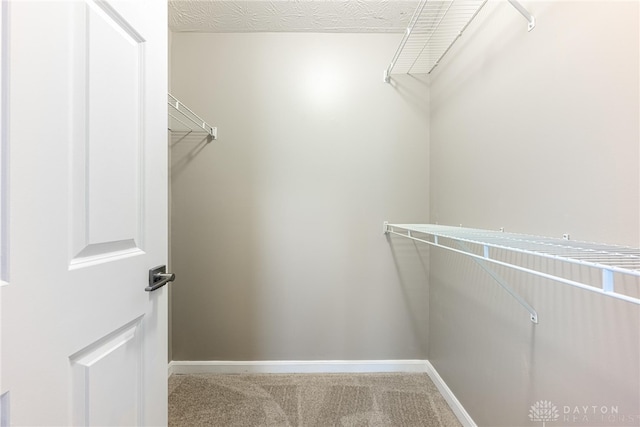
[277, 226]
[538, 133]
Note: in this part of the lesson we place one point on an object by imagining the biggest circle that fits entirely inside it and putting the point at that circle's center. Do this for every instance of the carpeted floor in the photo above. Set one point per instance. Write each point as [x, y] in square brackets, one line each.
[308, 400]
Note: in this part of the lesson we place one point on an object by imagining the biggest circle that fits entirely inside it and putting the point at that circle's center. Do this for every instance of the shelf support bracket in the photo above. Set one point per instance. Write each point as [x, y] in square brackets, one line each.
[481, 260]
[529, 17]
[532, 312]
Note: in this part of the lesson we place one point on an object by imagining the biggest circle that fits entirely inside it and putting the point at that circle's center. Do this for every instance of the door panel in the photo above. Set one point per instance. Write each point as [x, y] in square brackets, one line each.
[107, 375]
[114, 132]
[82, 342]
[107, 184]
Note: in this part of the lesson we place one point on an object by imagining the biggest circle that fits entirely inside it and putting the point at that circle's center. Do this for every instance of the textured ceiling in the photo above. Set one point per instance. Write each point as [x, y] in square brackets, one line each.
[367, 16]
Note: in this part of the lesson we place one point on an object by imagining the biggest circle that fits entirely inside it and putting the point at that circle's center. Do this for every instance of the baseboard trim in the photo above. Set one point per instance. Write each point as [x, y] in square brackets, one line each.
[296, 366]
[455, 405]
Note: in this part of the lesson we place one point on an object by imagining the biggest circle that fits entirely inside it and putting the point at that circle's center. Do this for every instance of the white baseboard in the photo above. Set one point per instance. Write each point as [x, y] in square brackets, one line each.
[455, 405]
[296, 366]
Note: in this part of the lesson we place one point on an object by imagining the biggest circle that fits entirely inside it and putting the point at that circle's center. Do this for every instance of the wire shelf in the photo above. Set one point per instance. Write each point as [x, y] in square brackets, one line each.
[182, 119]
[608, 259]
[434, 28]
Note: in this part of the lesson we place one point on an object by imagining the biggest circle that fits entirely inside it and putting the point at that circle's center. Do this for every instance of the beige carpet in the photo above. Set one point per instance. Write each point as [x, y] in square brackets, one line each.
[322, 400]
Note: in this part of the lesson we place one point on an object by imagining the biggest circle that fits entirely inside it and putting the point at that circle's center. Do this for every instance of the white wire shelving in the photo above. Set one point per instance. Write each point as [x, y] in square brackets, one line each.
[433, 29]
[484, 245]
[182, 119]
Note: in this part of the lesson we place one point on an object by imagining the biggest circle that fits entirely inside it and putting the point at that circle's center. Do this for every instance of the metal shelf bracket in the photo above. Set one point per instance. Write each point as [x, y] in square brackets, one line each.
[533, 314]
[480, 260]
[528, 16]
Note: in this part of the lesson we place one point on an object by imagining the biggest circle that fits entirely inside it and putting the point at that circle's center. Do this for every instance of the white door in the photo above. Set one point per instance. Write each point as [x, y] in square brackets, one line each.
[83, 343]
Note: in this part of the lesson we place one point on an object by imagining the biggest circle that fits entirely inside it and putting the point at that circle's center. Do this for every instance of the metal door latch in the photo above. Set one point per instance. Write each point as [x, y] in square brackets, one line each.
[158, 277]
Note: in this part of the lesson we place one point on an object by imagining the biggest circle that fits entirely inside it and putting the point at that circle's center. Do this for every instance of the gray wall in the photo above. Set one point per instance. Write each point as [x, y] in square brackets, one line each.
[538, 133]
[277, 237]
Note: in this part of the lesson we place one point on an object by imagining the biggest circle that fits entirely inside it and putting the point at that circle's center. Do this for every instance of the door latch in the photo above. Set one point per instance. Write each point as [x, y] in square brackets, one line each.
[158, 277]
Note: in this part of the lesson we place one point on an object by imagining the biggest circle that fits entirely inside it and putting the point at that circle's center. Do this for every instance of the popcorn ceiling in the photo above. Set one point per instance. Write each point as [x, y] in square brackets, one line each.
[351, 16]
